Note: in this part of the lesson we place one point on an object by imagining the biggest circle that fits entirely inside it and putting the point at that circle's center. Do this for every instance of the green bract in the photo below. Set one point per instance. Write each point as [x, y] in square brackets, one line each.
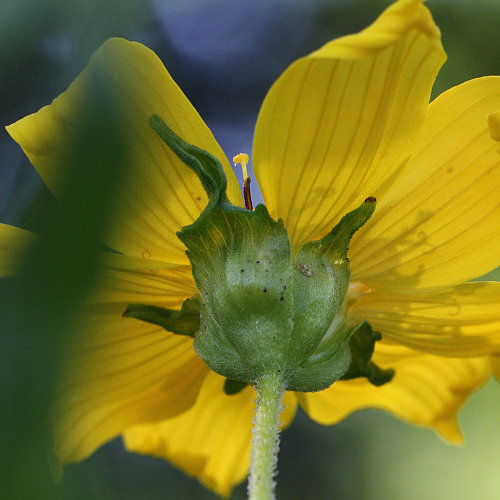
[183, 322]
[263, 308]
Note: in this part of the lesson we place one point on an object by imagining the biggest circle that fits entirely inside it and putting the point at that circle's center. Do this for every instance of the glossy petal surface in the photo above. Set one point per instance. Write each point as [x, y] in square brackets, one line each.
[337, 126]
[426, 390]
[160, 194]
[211, 440]
[438, 224]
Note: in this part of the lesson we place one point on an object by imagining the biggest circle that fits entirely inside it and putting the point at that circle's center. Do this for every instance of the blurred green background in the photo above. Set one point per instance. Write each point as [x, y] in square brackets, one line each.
[224, 54]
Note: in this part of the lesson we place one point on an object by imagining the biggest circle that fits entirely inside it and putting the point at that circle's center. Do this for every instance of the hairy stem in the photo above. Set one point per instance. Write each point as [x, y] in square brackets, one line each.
[265, 442]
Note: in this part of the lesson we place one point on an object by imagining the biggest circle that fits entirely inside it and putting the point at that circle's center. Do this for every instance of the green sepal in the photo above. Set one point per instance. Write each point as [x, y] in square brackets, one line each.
[362, 345]
[183, 322]
[320, 287]
[241, 263]
[326, 364]
[323, 276]
[337, 240]
[232, 387]
[206, 166]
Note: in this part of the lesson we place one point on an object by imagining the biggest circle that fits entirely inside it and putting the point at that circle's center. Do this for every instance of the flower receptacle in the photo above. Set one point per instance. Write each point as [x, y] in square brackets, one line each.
[263, 306]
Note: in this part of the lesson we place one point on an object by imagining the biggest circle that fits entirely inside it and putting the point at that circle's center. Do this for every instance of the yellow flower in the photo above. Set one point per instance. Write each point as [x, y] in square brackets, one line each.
[348, 121]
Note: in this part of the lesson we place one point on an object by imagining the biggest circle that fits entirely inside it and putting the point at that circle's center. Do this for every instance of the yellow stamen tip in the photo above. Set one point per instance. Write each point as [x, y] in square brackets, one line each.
[242, 159]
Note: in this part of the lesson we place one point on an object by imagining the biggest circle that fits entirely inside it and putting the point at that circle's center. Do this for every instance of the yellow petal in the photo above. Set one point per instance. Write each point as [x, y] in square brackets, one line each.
[459, 322]
[123, 372]
[118, 372]
[160, 194]
[119, 278]
[426, 390]
[14, 246]
[212, 439]
[494, 125]
[133, 279]
[337, 125]
[438, 224]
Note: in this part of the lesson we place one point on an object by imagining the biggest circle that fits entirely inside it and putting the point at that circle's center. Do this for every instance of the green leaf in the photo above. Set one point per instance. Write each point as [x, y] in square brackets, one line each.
[183, 322]
[362, 345]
